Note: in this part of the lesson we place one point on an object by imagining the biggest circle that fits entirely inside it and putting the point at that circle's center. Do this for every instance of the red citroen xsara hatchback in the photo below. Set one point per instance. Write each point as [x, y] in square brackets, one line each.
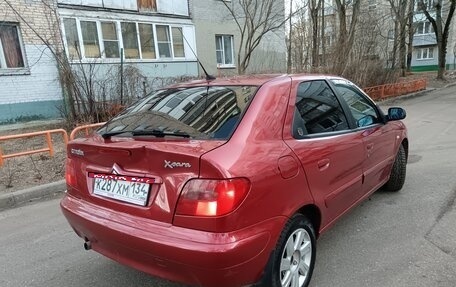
[229, 182]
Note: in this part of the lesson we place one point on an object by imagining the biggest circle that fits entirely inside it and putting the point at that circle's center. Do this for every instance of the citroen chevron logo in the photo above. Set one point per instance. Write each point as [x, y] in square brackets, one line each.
[115, 169]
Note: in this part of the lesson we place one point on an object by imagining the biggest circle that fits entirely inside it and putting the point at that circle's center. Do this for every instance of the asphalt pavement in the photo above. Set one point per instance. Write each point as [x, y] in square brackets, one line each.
[393, 239]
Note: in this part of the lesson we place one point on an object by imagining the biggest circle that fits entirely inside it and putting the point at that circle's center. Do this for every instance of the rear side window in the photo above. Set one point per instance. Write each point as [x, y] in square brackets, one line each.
[317, 110]
[197, 112]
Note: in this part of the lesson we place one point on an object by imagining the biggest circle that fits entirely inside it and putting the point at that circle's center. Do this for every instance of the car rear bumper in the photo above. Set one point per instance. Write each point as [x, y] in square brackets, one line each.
[175, 253]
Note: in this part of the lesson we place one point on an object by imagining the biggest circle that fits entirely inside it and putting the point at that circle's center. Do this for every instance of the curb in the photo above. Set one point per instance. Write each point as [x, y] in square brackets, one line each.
[37, 193]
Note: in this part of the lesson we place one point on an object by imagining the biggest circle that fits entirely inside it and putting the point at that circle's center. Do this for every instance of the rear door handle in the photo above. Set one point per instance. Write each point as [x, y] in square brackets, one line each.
[323, 164]
[370, 146]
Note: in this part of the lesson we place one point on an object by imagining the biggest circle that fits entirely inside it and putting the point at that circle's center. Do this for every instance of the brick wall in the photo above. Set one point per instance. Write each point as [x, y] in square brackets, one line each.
[37, 13]
[41, 84]
[38, 81]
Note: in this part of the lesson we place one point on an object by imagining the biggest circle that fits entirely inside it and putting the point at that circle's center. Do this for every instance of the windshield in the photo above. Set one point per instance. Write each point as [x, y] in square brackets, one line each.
[197, 113]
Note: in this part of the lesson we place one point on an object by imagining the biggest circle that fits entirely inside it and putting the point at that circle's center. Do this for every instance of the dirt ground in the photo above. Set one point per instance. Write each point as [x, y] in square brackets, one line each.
[432, 82]
[32, 170]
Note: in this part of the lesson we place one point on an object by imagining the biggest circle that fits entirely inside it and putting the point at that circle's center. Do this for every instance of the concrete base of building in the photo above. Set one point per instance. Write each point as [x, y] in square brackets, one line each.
[30, 111]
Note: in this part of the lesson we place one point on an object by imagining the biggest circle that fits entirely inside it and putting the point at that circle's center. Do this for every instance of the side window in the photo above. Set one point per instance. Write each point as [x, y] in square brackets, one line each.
[317, 110]
[362, 109]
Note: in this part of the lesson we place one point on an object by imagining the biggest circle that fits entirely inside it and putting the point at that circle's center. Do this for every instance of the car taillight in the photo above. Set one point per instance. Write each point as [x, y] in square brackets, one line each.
[70, 175]
[209, 197]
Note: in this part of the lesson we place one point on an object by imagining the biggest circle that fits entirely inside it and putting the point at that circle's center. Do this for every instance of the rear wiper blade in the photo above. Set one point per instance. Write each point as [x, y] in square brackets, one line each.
[157, 133]
[110, 134]
[160, 133]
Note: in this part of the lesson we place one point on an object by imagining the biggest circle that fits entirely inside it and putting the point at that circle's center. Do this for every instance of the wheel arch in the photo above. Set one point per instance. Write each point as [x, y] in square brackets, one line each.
[405, 144]
[313, 213]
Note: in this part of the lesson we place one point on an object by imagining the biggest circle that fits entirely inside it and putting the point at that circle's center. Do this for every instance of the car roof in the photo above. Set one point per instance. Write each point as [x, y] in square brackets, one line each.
[251, 80]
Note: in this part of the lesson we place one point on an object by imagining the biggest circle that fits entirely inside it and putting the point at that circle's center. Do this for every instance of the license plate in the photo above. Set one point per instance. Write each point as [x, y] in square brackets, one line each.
[124, 188]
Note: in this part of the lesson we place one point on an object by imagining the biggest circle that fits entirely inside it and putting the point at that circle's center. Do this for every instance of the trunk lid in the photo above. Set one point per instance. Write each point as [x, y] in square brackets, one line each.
[121, 163]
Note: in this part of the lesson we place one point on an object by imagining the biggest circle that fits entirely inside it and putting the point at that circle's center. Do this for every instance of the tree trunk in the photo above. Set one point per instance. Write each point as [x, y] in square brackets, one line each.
[442, 59]
[314, 18]
[395, 44]
[346, 37]
[403, 28]
[402, 51]
[323, 44]
[411, 32]
[289, 39]
[441, 45]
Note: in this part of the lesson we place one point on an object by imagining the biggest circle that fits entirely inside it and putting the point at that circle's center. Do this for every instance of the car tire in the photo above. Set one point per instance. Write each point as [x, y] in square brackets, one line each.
[294, 256]
[398, 172]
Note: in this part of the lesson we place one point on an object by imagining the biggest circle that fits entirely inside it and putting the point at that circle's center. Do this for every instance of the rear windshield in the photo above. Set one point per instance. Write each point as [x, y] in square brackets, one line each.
[197, 113]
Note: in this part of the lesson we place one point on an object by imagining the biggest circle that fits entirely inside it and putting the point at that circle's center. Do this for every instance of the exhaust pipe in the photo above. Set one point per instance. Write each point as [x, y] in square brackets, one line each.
[87, 245]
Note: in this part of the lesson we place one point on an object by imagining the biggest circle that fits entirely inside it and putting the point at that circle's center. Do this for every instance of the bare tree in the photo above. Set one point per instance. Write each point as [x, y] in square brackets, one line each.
[300, 39]
[347, 32]
[254, 19]
[323, 44]
[399, 8]
[289, 42]
[314, 8]
[411, 32]
[441, 27]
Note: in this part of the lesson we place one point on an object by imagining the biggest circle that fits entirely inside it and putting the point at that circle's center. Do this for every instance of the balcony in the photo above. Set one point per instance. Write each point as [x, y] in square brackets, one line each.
[171, 7]
[424, 40]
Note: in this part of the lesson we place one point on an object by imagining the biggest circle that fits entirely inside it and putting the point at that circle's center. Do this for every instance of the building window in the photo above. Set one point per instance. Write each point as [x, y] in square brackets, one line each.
[424, 28]
[72, 40]
[224, 50]
[11, 52]
[105, 39]
[90, 41]
[425, 53]
[178, 42]
[110, 40]
[163, 41]
[146, 37]
[130, 40]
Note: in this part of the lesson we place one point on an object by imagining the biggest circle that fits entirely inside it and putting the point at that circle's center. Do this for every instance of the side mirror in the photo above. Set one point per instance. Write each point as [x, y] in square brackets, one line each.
[396, 114]
[365, 121]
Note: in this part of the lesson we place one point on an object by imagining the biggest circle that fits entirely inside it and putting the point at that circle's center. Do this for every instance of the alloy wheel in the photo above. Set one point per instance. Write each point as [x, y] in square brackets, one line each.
[296, 259]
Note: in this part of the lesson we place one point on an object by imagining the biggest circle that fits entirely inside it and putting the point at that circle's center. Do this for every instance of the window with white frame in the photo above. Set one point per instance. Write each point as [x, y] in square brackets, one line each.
[163, 41]
[178, 42]
[71, 38]
[130, 40]
[11, 50]
[90, 42]
[110, 40]
[425, 53]
[105, 39]
[146, 37]
[424, 28]
[224, 50]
